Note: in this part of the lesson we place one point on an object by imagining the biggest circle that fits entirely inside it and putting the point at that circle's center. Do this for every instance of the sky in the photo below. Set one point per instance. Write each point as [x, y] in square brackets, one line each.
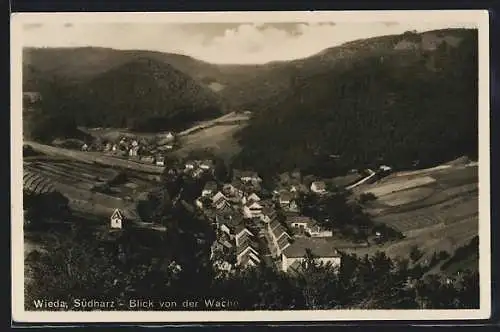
[226, 43]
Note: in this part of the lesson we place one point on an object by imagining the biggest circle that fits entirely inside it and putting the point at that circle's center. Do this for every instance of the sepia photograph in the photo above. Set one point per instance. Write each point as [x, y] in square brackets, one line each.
[250, 166]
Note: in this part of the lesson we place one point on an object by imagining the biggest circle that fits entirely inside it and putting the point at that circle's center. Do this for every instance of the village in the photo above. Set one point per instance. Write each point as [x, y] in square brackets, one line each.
[254, 226]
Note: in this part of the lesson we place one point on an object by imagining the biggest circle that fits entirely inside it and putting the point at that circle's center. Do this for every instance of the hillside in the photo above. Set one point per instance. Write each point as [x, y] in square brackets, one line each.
[143, 94]
[77, 65]
[392, 99]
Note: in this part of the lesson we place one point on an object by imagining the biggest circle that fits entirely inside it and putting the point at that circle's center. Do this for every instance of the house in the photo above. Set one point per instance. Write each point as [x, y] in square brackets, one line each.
[189, 165]
[230, 223]
[85, 147]
[246, 176]
[385, 168]
[219, 201]
[148, 159]
[203, 202]
[318, 187]
[229, 190]
[280, 238]
[268, 214]
[321, 248]
[242, 235]
[222, 246]
[197, 173]
[206, 165]
[116, 219]
[132, 152]
[247, 247]
[209, 189]
[307, 226]
[285, 198]
[253, 197]
[252, 210]
[160, 160]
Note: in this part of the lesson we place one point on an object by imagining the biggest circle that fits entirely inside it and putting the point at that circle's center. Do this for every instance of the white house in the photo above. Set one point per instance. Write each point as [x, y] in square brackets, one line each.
[294, 254]
[246, 176]
[252, 210]
[160, 161]
[219, 201]
[116, 219]
[318, 187]
[308, 226]
[385, 168]
[206, 165]
[189, 165]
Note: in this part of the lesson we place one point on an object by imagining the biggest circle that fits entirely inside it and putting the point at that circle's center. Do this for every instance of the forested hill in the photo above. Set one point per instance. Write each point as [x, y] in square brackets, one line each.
[414, 100]
[77, 65]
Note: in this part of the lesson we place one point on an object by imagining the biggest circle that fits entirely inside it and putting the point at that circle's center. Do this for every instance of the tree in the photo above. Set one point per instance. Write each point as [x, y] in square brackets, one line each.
[366, 197]
[415, 254]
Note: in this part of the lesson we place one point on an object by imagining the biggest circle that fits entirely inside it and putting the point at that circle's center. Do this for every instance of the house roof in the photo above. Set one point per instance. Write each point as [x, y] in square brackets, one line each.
[283, 242]
[247, 259]
[254, 205]
[274, 224]
[254, 197]
[319, 247]
[281, 234]
[286, 196]
[218, 196]
[249, 243]
[300, 219]
[268, 211]
[230, 217]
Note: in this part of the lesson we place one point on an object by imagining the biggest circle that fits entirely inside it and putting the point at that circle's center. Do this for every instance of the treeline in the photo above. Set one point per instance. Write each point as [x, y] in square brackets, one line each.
[393, 107]
[176, 265]
[77, 266]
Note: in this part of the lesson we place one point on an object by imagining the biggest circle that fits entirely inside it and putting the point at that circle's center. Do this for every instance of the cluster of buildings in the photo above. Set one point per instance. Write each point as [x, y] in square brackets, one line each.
[254, 228]
[134, 148]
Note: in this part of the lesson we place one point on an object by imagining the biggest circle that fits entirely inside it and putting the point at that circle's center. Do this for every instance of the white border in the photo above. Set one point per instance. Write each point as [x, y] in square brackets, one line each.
[472, 16]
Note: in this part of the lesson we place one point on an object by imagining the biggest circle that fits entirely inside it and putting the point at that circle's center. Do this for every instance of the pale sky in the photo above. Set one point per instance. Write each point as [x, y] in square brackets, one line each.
[229, 43]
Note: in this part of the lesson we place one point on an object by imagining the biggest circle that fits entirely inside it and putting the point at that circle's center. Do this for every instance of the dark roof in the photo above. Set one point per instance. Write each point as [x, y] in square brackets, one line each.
[230, 217]
[277, 231]
[286, 195]
[275, 223]
[319, 247]
[283, 241]
[249, 242]
[269, 211]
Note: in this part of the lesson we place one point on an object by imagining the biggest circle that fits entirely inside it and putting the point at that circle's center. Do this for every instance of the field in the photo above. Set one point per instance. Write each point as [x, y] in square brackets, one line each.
[435, 209]
[219, 138]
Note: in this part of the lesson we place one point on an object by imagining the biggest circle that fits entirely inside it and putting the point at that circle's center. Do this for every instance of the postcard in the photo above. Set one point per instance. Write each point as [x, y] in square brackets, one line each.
[250, 166]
